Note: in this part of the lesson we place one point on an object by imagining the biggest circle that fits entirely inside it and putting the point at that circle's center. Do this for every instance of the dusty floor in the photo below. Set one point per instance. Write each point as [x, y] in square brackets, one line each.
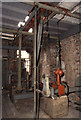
[20, 109]
[24, 109]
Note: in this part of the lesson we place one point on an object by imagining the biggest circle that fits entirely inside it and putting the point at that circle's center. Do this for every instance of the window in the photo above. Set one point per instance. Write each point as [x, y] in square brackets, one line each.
[27, 59]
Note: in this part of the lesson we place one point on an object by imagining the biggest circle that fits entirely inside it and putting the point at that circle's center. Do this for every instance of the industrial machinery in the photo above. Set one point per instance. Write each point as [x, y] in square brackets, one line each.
[58, 89]
[61, 87]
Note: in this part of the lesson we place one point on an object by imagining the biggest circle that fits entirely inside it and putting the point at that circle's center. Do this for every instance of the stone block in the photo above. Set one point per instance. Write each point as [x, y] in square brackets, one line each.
[55, 108]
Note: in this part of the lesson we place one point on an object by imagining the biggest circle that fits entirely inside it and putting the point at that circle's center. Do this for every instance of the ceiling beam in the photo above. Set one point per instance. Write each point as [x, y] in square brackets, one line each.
[75, 8]
[23, 32]
[15, 31]
[49, 17]
[14, 47]
[58, 10]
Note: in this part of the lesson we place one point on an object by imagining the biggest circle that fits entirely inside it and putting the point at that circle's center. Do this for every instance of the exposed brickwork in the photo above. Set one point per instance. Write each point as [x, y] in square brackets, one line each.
[53, 55]
[48, 59]
[70, 60]
[71, 57]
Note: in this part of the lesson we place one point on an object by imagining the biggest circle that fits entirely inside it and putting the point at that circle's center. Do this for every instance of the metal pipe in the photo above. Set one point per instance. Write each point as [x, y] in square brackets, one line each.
[49, 17]
[77, 7]
[35, 60]
[14, 47]
[38, 98]
[15, 31]
[19, 64]
[23, 32]
[59, 10]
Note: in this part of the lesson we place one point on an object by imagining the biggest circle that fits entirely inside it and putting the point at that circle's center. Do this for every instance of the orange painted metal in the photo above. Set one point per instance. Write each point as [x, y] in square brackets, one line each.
[61, 90]
[54, 86]
[31, 24]
[58, 72]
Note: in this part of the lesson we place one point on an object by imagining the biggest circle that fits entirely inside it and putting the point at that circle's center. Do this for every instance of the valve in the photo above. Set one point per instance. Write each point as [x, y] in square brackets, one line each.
[58, 72]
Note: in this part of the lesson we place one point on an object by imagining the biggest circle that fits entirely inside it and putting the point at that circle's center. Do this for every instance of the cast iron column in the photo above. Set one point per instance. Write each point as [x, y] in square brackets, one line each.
[19, 64]
[35, 60]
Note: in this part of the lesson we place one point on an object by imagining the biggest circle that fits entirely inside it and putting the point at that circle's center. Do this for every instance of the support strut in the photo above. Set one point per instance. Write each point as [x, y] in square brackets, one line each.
[35, 61]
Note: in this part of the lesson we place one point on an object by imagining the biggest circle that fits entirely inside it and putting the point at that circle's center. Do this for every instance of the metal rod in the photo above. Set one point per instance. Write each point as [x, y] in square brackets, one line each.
[15, 31]
[80, 55]
[38, 97]
[49, 17]
[19, 64]
[35, 61]
[59, 10]
[23, 32]
[14, 47]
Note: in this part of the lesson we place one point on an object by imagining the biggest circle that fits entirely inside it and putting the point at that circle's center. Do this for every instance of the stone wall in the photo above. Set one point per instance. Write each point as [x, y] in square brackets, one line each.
[70, 56]
[48, 58]
[70, 60]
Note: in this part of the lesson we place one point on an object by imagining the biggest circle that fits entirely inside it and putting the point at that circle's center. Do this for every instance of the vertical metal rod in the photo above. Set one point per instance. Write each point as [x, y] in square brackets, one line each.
[19, 64]
[39, 41]
[38, 98]
[35, 60]
[58, 49]
[80, 56]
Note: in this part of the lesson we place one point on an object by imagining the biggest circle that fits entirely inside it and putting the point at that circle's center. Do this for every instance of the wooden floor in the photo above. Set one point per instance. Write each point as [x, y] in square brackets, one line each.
[24, 109]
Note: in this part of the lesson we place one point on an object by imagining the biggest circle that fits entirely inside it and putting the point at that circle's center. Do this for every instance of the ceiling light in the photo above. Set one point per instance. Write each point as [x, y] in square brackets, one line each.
[21, 24]
[27, 17]
[30, 30]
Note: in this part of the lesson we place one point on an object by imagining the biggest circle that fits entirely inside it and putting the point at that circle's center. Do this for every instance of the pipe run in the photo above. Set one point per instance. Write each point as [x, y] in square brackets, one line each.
[15, 31]
[35, 63]
[14, 47]
[59, 10]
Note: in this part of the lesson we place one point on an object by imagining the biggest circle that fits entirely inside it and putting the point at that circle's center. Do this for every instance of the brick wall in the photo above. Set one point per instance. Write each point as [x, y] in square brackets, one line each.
[71, 58]
[70, 61]
[48, 58]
